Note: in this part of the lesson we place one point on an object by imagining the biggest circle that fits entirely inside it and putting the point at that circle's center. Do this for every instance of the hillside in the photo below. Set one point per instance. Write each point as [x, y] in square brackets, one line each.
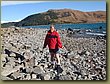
[62, 16]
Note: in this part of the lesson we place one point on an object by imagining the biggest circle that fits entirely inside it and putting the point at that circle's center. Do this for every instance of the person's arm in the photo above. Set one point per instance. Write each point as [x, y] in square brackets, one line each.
[59, 41]
[45, 42]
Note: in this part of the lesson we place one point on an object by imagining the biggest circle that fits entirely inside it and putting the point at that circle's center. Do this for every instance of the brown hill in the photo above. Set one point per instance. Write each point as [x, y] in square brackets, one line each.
[75, 16]
[61, 16]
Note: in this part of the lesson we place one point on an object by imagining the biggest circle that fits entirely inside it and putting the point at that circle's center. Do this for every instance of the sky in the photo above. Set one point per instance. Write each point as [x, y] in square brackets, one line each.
[13, 11]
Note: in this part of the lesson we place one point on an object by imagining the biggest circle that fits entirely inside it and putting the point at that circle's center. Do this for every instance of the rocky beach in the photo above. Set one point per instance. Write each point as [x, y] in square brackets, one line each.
[22, 56]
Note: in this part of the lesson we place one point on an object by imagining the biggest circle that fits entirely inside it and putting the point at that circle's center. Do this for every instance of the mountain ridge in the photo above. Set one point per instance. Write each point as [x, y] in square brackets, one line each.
[53, 16]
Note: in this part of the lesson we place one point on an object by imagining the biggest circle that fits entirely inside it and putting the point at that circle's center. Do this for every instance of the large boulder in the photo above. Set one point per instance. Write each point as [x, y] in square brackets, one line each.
[37, 70]
[3, 57]
[8, 71]
[16, 74]
[5, 78]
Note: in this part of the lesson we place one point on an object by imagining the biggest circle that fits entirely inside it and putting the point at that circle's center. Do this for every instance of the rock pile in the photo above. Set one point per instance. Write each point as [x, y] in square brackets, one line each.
[22, 57]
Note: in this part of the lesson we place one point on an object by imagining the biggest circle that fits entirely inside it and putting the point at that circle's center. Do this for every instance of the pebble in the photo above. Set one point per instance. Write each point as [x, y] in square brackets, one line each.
[46, 77]
[12, 55]
[34, 76]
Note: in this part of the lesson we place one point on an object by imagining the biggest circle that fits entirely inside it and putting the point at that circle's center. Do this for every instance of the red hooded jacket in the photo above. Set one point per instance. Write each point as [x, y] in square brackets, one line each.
[52, 40]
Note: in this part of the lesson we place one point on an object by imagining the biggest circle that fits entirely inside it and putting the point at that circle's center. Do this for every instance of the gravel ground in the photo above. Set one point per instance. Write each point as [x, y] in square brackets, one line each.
[22, 57]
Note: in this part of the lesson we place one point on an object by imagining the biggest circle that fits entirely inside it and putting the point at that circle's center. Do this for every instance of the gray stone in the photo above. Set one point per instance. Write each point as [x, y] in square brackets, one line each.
[88, 53]
[34, 76]
[37, 70]
[3, 60]
[28, 77]
[10, 70]
[28, 70]
[14, 50]
[28, 54]
[16, 74]
[36, 62]
[65, 77]
[47, 77]
[6, 72]
[12, 55]
[3, 57]
[5, 78]
[7, 66]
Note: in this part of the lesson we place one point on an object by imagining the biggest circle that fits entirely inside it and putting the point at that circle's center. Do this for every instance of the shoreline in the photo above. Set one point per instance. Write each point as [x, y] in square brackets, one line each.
[81, 32]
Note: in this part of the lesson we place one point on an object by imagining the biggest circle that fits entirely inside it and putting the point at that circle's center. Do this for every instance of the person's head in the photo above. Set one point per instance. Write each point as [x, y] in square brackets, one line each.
[52, 28]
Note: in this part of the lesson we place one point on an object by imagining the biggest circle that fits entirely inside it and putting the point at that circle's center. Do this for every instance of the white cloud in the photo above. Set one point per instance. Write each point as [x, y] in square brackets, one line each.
[5, 3]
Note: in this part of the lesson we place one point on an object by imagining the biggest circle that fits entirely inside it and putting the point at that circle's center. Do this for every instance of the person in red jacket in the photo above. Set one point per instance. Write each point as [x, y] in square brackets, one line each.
[53, 41]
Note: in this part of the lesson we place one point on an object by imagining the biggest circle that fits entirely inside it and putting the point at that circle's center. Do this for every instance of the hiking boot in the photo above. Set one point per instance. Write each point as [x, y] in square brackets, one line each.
[58, 69]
